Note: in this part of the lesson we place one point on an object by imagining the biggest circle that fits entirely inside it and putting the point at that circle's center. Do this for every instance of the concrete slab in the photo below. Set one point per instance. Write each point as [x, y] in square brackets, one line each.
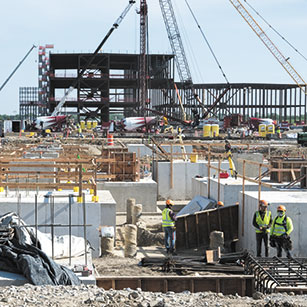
[251, 170]
[144, 192]
[296, 204]
[102, 213]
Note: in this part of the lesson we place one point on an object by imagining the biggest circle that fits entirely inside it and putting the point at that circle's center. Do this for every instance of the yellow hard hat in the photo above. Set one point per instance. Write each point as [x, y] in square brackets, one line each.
[169, 202]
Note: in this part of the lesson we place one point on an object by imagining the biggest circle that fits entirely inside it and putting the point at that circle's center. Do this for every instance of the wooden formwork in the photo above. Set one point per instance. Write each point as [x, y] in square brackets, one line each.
[285, 169]
[194, 230]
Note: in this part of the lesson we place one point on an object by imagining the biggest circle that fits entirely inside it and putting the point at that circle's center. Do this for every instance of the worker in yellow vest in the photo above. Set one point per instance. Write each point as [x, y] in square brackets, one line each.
[280, 232]
[262, 222]
[168, 224]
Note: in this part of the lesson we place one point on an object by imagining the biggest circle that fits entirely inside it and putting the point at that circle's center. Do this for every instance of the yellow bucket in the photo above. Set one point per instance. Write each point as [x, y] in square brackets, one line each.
[80, 199]
[215, 130]
[207, 131]
[76, 189]
[194, 158]
[95, 198]
[89, 124]
[262, 130]
[82, 124]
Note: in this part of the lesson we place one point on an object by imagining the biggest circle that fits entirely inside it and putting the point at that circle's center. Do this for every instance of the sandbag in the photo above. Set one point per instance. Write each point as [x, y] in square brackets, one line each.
[130, 240]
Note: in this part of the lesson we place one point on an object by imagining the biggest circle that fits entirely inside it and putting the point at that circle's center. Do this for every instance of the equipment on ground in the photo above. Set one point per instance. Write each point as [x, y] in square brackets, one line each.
[16, 68]
[302, 138]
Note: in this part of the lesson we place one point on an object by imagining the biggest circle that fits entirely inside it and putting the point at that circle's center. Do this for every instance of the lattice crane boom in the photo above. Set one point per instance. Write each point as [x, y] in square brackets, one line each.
[176, 41]
[270, 45]
[143, 53]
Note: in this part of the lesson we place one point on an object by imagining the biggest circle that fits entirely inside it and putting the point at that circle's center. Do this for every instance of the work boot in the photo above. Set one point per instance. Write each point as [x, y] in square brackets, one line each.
[289, 256]
[167, 251]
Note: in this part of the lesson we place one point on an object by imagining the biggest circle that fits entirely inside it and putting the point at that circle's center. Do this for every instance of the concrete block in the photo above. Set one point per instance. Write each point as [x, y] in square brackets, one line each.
[296, 204]
[144, 192]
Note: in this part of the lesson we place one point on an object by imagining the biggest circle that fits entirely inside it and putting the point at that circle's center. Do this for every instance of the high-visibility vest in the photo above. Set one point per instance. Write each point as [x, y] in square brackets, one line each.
[263, 222]
[166, 219]
[281, 225]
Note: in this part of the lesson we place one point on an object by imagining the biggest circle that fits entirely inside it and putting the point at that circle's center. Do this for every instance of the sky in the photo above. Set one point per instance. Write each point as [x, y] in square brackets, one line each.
[79, 26]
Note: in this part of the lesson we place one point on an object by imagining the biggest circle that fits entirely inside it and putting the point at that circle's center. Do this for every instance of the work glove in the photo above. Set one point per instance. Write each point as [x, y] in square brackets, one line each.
[272, 242]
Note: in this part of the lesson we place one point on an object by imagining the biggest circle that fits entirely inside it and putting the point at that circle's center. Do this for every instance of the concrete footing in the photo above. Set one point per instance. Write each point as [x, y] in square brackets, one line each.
[144, 192]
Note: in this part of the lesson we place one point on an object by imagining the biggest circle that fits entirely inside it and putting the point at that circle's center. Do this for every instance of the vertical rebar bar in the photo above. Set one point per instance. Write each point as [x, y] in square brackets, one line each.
[84, 227]
[18, 208]
[52, 224]
[35, 217]
[69, 222]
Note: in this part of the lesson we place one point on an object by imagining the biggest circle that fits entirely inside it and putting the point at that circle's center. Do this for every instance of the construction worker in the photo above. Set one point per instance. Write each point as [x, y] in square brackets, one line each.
[280, 232]
[168, 224]
[278, 132]
[262, 221]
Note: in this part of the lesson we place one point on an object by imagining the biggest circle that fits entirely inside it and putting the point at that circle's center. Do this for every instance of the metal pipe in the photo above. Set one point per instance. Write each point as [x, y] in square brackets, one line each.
[84, 228]
[69, 230]
[35, 217]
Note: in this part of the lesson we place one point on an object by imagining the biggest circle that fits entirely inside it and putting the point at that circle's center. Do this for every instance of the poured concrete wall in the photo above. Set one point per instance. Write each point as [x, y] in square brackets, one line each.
[102, 213]
[296, 204]
[144, 192]
[183, 172]
[230, 189]
[251, 170]
[142, 150]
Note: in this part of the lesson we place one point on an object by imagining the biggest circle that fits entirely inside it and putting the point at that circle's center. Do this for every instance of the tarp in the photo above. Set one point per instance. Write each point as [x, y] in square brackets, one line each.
[19, 255]
[198, 203]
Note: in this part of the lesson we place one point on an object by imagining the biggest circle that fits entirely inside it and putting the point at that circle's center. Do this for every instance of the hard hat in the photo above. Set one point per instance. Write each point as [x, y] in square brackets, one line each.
[169, 202]
[220, 203]
[281, 208]
[263, 203]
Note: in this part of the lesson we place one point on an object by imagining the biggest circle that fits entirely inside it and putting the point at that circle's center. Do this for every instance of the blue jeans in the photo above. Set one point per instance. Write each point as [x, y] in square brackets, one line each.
[169, 238]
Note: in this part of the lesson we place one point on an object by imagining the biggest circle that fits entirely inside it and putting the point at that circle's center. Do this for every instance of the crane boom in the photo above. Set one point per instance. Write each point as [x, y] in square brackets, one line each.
[13, 72]
[269, 44]
[115, 25]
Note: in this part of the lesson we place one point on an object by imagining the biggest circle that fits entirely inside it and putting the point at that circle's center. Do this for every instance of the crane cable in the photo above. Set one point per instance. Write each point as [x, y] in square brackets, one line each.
[207, 42]
[282, 37]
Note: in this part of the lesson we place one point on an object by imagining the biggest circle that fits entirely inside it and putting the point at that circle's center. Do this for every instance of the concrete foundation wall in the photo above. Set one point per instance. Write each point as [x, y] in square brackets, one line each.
[296, 204]
[230, 189]
[142, 150]
[183, 172]
[251, 170]
[102, 213]
[144, 192]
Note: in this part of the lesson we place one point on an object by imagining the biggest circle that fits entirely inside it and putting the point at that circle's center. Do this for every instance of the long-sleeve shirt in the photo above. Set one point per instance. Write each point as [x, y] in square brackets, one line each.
[262, 213]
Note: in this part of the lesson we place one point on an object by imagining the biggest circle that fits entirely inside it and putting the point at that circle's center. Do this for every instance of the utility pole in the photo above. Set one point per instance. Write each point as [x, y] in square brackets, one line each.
[142, 58]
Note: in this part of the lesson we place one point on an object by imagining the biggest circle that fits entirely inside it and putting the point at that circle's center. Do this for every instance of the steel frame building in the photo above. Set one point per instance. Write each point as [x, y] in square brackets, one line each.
[111, 84]
[282, 102]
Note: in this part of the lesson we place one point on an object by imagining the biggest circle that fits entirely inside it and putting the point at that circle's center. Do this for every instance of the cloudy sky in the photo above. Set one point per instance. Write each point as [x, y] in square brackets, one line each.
[79, 26]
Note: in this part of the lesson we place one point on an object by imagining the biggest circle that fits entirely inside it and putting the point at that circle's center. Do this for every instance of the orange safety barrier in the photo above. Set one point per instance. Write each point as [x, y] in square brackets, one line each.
[110, 139]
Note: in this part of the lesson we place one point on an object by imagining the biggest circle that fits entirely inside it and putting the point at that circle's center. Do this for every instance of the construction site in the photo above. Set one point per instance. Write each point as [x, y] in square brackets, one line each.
[111, 151]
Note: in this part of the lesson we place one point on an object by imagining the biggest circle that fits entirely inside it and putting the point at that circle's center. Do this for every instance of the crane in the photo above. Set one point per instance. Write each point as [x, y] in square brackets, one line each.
[16, 68]
[181, 59]
[46, 121]
[284, 61]
[143, 53]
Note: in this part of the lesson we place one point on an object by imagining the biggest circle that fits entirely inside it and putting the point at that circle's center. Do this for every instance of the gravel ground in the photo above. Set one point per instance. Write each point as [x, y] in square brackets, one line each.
[62, 296]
